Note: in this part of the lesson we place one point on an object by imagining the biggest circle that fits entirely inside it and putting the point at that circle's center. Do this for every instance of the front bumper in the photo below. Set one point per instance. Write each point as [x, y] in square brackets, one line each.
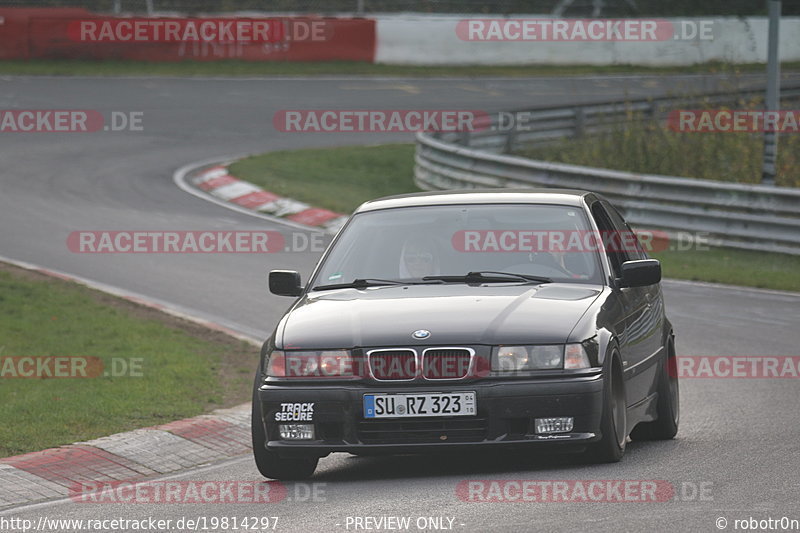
[505, 417]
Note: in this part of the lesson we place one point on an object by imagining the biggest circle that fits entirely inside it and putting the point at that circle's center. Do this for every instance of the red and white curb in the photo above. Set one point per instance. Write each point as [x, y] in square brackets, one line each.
[133, 455]
[212, 181]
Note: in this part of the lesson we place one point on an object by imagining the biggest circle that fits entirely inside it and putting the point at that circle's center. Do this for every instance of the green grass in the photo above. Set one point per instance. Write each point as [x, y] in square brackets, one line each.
[185, 370]
[282, 68]
[342, 178]
[733, 267]
[339, 179]
[649, 147]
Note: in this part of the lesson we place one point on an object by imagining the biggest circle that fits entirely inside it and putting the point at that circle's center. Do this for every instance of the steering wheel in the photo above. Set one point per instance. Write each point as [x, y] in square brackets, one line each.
[549, 262]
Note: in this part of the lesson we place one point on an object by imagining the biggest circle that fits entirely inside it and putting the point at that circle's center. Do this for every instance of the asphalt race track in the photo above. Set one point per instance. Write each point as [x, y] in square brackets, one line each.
[739, 439]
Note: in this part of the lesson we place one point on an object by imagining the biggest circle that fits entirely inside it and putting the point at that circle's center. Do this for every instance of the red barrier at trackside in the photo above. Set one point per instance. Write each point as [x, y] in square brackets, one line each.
[14, 35]
[44, 33]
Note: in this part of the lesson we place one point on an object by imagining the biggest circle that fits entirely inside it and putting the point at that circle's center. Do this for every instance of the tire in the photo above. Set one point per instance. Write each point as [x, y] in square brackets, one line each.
[611, 447]
[270, 464]
[665, 426]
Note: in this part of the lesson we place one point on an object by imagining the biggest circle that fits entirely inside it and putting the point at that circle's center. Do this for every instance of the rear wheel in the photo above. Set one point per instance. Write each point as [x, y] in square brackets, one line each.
[269, 463]
[611, 447]
[668, 407]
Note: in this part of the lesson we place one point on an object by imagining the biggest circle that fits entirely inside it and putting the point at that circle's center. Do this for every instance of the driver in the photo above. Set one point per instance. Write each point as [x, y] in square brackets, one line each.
[569, 263]
[418, 258]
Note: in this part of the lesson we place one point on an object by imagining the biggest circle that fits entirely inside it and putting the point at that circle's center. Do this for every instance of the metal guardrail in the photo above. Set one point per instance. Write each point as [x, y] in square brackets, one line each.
[734, 215]
[561, 8]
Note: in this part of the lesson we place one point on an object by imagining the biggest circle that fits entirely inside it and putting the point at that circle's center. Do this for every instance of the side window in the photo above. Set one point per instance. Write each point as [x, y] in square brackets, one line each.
[615, 254]
[638, 250]
[632, 248]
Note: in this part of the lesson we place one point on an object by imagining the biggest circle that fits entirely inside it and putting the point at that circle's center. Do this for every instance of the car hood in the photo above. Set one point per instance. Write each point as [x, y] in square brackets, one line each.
[454, 314]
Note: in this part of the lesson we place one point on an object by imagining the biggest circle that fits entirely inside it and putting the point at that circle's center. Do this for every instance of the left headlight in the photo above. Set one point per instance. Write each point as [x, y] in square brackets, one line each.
[540, 357]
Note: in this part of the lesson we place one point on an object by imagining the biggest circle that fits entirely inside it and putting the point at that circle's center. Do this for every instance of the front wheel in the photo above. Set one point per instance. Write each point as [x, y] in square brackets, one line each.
[270, 464]
[611, 447]
[665, 426]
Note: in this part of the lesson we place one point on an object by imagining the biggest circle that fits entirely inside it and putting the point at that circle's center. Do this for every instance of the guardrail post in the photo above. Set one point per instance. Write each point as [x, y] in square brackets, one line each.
[772, 102]
[511, 137]
[652, 111]
[580, 122]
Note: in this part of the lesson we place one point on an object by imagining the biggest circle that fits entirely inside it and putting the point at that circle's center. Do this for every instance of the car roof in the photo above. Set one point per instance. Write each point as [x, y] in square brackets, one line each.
[570, 197]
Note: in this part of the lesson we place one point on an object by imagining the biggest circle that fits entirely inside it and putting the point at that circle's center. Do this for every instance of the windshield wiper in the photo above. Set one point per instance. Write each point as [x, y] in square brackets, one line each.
[488, 276]
[369, 282]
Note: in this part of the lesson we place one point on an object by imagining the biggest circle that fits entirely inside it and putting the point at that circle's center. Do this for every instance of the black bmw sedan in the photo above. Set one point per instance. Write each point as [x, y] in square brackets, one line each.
[483, 318]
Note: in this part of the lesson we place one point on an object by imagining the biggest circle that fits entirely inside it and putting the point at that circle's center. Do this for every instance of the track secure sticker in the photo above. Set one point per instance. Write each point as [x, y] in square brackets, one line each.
[295, 412]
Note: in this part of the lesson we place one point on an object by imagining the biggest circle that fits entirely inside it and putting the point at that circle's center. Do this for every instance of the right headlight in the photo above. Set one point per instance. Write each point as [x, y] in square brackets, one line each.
[540, 357]
[575, 357]
[311, 364]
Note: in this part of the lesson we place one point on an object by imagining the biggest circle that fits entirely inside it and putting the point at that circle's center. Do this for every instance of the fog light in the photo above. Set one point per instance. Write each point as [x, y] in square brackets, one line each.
[554, 425]
[296, 431]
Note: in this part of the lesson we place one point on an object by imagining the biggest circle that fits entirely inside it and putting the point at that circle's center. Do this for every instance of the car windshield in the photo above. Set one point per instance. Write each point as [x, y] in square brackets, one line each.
[431, 242]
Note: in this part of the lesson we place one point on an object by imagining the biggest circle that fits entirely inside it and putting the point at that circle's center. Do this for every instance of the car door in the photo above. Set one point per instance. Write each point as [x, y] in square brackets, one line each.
[645, 321]
[633, 305]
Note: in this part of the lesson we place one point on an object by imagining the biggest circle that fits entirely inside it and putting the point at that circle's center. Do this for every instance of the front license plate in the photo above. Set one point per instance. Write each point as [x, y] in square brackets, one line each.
[424, 404]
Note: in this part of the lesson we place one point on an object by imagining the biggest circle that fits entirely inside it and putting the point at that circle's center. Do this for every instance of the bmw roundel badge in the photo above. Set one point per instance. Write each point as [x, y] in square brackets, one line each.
[421, 334]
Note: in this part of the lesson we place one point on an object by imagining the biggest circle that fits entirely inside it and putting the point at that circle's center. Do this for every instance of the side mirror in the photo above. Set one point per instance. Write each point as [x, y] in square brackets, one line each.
[285, 283]
[641, 273]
